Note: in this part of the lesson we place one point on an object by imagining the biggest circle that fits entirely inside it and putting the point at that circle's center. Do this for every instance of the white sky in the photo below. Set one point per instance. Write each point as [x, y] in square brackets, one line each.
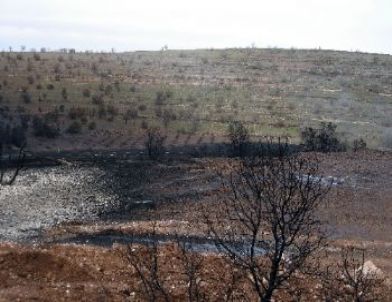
[364, 25]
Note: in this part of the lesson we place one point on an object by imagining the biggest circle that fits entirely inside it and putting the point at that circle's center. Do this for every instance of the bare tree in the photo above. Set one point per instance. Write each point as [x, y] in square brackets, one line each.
[147, 267]
[10, 165]
[149, 263]
[266, 222]
[154, 143]
[352, 278]
[239, 138]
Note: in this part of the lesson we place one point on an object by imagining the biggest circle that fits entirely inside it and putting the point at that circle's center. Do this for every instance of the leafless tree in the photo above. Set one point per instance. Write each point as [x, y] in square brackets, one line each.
[351, 279]
[191, 263]
[266, 222]
[10, 165]
[148, 262]
[147, 267]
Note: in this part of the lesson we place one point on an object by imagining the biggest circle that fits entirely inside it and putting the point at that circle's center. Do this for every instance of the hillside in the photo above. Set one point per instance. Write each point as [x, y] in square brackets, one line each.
[109, 99]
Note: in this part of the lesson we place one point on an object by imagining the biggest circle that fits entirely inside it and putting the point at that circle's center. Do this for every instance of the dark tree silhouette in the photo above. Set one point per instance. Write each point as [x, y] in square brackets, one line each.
[266, 223]
[11, 162]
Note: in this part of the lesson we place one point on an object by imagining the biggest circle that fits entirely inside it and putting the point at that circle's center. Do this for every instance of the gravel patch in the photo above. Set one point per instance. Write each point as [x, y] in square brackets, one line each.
[44, 197]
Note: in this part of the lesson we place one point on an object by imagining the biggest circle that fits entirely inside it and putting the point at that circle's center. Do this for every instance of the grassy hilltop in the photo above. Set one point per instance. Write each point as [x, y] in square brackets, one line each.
[107, 100]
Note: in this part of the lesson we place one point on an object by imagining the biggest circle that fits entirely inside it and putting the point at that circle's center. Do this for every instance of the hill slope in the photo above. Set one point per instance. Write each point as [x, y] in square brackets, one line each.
[109, 99]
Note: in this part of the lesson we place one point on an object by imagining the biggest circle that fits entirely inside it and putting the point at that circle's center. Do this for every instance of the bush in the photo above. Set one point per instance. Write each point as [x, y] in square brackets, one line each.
[239, 138]
[142, 107]
[144, 124]
[18, 136]
[75, 128]
[86, 92]
[92, 126]
[112, 110]
[64, 93]
[359, 144]
[168, 116]
[97, 99]
[26, 97]
[15, 136]
[42, 127]
[37, 57]
[101, 111]
[77, 113]
[130, 114]
[30, 80]
[162, 96]
[323, 139]
[154, 143]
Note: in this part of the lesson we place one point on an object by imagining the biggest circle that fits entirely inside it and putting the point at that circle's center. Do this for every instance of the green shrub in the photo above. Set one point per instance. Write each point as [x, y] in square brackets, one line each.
[324, 139]
[239, 138]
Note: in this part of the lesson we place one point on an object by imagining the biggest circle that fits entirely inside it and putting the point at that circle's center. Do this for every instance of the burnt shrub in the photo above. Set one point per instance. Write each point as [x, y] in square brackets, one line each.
[30, 80]
[144, 124]
[24, 121]
[167, 116]
[142, 107]
[154, 143]
[75, 128]
[77, 113]
[26, 97]
[239, 138]
[98, 99]
[44, 127]
[92, 126]
[37, 57]
[359, 144]
[112, 110]
[162, 96]
[102, 111]
[13, 136]
[86, 92]
[18, 136]
[64, 93]
[108, 90]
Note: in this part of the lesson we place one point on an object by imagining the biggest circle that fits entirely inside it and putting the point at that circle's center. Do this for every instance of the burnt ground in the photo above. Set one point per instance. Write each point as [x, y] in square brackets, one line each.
[121, 197]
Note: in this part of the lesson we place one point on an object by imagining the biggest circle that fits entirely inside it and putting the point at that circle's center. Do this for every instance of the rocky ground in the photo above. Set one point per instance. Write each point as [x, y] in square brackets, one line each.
[44, 197]
[52, 210]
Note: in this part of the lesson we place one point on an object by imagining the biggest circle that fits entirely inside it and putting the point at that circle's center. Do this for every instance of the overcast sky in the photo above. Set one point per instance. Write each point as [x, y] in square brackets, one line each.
[364, 25]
